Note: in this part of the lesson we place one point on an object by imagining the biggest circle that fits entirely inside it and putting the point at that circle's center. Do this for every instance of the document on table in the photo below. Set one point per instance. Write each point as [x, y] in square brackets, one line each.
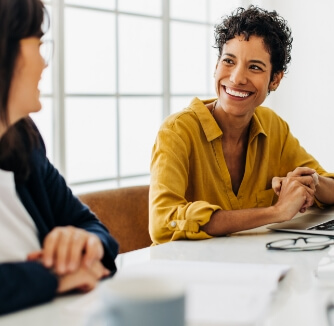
[325, 268]
[217, 293]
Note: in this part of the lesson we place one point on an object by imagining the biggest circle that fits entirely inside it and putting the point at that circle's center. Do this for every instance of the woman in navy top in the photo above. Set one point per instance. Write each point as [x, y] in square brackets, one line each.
[53, 243]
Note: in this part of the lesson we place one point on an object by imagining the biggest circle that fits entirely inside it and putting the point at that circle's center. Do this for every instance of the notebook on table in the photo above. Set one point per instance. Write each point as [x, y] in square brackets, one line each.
[316, 224]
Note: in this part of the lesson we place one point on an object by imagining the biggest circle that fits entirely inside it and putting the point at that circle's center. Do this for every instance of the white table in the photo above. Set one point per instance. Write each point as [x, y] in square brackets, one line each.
[300, 299]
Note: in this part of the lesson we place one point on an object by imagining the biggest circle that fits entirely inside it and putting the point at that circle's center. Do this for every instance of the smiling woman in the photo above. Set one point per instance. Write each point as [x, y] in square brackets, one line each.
[213, 163]
[49, 241]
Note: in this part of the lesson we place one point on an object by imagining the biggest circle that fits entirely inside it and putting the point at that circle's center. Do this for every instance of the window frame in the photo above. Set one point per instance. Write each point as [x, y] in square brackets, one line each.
[59, 95]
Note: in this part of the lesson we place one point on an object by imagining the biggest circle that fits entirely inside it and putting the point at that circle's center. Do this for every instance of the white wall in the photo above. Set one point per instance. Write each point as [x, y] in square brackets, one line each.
[305, 96]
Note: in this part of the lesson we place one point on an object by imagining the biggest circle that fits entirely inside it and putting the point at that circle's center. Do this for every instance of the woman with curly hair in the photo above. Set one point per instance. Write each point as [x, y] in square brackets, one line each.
[229, 164]
[49, 241]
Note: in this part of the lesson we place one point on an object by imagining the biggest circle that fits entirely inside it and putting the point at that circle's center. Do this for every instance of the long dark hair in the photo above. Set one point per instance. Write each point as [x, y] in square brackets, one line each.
[18, 19]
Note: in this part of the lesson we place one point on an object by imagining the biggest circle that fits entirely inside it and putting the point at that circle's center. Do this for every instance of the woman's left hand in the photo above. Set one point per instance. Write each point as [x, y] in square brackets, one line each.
[65, 249]
[306, 176]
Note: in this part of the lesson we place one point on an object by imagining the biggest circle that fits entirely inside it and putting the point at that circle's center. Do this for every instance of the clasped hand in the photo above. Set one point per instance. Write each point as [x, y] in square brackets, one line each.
[75, 256]
[297, 190]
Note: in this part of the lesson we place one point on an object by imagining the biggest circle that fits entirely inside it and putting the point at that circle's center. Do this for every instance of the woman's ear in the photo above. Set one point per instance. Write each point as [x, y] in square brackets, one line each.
[276, 81]
[214, 74]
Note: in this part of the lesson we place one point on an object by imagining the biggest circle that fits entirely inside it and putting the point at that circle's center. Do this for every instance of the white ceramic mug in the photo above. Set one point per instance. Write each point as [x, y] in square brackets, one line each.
[144, 301]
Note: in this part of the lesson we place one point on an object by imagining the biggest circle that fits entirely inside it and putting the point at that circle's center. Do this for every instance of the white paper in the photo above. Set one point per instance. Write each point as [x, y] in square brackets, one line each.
[325, 268]
[217, 293]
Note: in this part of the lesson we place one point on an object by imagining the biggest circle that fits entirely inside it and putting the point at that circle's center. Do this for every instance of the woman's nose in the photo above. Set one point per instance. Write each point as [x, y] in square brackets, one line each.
[238, 76]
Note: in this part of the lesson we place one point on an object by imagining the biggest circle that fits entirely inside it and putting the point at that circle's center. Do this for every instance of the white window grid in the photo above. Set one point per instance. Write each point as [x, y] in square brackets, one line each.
[58, 95]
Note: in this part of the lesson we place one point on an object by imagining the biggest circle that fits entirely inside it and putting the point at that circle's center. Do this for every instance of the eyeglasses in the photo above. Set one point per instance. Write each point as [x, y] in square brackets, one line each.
[45, 47]
[301, 243]
[46, 50]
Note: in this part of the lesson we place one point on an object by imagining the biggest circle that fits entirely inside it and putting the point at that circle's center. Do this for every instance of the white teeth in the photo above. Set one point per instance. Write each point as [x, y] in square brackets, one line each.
[235, 93]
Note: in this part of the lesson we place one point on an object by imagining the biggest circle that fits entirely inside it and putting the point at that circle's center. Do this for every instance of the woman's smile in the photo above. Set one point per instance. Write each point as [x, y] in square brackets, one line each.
[237, 93]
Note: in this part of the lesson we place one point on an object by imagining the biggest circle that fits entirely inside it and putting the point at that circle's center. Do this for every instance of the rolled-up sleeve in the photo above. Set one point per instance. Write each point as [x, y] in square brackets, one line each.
[172, 216]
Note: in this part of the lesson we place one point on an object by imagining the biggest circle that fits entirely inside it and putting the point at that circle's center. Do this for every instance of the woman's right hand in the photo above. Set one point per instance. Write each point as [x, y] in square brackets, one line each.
[83, 279]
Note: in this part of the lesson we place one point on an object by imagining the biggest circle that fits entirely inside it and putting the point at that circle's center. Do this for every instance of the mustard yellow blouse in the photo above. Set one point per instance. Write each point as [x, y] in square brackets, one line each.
[190, 179]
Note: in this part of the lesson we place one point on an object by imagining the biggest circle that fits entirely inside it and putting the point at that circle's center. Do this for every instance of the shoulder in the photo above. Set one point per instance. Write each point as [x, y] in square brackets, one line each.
[192, 118]
[265, 113]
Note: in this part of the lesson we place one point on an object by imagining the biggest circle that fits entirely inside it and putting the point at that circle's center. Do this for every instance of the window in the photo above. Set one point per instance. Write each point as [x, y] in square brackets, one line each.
[119, 68]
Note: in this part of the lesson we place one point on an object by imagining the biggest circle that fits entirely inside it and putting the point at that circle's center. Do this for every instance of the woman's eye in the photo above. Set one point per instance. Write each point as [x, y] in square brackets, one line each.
[255, 67]
[228, 61]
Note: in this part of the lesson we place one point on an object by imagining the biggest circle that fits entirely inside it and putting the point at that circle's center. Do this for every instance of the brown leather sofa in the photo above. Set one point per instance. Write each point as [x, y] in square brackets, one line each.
[124, 211]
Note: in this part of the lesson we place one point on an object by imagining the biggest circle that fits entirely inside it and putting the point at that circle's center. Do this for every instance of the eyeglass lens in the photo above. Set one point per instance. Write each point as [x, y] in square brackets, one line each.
[46, 50]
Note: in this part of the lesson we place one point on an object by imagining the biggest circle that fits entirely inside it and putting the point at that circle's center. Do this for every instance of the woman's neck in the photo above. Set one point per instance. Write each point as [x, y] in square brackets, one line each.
[234, 128]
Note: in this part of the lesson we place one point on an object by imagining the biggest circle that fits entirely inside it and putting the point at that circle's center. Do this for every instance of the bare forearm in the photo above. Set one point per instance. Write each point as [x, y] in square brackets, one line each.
[325, 190]
[293, 197]
[226, 222]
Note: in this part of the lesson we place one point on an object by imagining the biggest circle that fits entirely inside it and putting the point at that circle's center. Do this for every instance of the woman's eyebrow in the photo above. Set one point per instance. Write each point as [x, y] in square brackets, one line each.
[259, 62]
[229, 54]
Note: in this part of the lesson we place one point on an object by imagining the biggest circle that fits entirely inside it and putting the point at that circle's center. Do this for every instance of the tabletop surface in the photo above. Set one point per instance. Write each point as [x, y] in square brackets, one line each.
[301, 298]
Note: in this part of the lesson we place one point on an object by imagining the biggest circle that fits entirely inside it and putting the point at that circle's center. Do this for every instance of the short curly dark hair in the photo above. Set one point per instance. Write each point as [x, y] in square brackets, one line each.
[256, 21]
